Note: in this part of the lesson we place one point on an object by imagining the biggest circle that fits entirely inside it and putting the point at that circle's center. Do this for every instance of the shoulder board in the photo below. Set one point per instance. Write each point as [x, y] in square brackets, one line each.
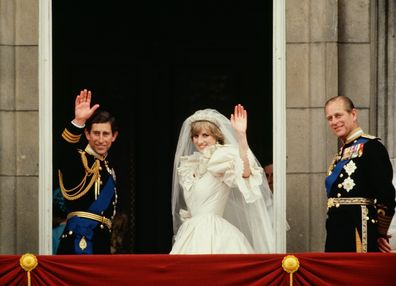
[368, 136]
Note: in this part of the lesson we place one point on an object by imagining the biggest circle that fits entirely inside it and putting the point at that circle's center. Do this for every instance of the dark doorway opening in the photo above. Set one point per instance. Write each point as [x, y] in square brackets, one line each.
[152, 64]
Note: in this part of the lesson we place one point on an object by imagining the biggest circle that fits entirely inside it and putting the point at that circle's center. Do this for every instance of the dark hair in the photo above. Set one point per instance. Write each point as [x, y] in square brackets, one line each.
[101, 116]
[348, 104]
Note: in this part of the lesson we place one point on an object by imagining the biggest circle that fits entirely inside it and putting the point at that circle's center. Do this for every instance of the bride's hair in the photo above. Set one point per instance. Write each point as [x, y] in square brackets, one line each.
[197, 126]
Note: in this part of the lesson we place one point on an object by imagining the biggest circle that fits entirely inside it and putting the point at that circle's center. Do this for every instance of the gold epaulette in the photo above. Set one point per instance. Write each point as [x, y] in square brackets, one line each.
[368, 136]
[70, 137]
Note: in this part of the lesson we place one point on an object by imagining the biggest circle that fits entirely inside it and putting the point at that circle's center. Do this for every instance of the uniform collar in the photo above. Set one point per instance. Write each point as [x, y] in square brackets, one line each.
[91, 151]
[355, 134]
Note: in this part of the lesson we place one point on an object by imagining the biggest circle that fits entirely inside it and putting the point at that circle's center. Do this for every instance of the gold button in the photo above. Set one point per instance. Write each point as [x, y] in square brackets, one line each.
[70, 232]
[337, 205]
[341, 175]
[338, 195]
[340, 186]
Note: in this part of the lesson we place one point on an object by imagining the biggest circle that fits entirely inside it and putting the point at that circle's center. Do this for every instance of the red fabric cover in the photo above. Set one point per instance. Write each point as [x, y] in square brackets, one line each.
[203, 270]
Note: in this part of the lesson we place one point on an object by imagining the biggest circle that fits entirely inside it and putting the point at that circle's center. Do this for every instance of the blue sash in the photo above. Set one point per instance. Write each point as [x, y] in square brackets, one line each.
[83, 226]
[337, 169]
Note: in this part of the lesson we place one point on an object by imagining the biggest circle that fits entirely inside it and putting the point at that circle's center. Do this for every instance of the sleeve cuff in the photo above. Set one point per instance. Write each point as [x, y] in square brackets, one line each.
[72, 133]
[384, 222]
[78, 126]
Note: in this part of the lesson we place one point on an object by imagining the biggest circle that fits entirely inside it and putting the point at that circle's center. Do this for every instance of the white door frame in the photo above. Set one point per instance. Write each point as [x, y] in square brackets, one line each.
[45, 125]
[279, 121]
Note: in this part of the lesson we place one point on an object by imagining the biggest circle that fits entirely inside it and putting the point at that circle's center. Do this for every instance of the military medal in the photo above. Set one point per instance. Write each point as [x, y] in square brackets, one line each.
[353, 152]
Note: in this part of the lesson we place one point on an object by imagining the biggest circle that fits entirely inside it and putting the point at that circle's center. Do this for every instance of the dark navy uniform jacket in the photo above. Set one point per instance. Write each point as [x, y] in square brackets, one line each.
[367, 173]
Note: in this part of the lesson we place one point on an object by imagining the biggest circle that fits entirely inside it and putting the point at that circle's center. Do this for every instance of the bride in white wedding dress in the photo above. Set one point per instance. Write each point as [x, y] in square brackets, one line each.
[221, 202]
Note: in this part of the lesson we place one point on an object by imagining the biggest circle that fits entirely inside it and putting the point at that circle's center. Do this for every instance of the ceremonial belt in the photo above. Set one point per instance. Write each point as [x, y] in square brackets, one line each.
[98, 218]
[361, 243]
[336, 202]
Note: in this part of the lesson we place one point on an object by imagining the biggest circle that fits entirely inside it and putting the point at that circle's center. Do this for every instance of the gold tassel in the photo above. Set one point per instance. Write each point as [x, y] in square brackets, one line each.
[290, 264]
[28, 262]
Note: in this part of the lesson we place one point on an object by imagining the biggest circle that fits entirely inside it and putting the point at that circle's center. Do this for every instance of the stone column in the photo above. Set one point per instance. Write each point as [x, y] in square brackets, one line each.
[312, 76]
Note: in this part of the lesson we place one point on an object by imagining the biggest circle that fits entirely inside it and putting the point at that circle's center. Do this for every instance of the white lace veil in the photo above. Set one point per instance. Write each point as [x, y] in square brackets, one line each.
[255, 219]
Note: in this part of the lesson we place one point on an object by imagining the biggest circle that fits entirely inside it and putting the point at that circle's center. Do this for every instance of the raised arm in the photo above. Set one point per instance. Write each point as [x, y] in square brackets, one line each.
[239, 123]
[82, 107]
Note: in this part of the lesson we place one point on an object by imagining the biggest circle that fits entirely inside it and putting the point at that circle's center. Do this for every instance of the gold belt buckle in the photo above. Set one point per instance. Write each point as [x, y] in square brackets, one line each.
[83, 243]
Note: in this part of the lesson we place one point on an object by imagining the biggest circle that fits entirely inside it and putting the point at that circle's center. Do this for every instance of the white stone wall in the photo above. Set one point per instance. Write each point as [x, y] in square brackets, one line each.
[312, 78]
[18, 126]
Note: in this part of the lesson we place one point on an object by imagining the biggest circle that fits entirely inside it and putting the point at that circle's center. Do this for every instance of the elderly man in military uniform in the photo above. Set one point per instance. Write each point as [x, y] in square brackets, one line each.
[87, 180]
[361, 197]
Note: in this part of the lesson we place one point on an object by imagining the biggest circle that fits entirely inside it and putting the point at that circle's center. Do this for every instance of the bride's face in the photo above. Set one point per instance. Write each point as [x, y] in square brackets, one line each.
[203, 139]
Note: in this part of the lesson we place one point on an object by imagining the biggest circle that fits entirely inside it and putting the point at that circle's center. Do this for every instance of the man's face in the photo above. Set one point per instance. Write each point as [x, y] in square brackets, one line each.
[270, 175]
[101, 137]
[340, 121]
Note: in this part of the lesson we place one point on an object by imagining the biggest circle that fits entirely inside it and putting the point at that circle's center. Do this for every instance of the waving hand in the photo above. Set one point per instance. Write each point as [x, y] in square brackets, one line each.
[82, 107]
[239, 119]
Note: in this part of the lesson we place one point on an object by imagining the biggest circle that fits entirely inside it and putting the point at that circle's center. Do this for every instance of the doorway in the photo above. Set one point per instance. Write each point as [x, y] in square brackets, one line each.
[152, 65]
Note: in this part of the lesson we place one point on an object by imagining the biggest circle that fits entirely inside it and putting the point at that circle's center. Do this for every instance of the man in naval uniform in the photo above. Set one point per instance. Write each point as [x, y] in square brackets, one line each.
[87, 180]
[361, 197]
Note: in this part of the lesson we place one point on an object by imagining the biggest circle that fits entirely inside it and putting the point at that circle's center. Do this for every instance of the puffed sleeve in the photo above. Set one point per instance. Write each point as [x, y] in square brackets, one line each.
[226, 164]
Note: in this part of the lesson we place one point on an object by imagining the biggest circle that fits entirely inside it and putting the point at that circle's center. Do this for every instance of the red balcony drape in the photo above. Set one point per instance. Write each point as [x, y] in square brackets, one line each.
[258, 269]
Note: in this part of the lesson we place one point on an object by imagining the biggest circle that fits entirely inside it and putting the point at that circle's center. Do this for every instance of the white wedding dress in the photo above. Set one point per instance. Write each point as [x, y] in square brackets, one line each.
[206, 179]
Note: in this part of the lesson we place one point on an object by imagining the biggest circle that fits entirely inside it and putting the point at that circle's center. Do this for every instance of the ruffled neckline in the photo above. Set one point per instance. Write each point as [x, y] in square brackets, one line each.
[194, 166]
